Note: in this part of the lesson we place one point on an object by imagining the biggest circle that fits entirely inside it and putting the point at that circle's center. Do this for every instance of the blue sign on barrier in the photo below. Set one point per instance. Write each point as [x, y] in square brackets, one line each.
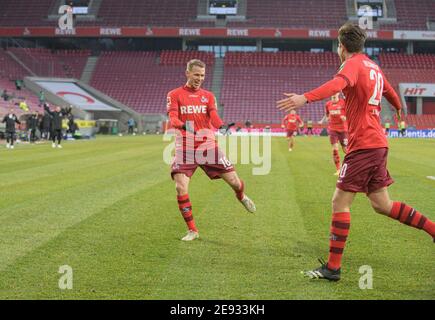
[412, 134]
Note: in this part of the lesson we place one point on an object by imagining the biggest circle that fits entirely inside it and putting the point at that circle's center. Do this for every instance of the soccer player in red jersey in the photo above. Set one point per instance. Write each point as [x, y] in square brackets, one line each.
[193, 112]
[291, 122]
[364, 167]
[337, 127]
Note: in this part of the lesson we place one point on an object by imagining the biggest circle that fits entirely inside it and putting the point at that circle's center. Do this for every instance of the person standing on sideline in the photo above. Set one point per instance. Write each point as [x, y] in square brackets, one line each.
[387, 127]
[46, 126]
[11, 119]
[56, 130]
[130, 124]
[33, 124]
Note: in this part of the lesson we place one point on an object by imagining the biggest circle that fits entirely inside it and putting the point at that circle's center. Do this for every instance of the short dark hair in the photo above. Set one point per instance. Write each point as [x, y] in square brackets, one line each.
[352, 37]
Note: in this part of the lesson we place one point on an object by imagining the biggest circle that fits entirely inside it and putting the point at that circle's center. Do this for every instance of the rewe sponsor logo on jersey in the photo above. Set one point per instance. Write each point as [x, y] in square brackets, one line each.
[193, 109]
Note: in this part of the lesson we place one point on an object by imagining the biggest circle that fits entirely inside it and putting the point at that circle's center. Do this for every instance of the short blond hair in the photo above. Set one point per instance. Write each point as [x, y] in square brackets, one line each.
[194, 62]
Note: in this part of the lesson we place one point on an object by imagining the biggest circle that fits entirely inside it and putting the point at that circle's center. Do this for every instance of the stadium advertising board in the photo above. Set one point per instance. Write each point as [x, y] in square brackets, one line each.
[193, 32]
[75, 95]
[417, 90]
[414, 35]
[413, 133]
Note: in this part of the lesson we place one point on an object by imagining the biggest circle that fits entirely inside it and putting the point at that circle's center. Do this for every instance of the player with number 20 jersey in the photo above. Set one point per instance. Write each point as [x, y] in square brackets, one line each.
[364, 167]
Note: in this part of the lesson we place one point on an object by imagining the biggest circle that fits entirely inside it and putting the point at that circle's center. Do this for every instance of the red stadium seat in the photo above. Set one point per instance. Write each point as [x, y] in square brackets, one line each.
[254, 81]
[139, 81]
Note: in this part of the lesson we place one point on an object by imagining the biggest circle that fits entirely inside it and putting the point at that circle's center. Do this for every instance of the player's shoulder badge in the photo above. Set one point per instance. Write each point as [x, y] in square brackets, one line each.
[204, 99]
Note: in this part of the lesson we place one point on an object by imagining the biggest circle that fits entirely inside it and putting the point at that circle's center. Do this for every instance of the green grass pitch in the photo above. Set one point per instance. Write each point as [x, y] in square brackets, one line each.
[107, 208]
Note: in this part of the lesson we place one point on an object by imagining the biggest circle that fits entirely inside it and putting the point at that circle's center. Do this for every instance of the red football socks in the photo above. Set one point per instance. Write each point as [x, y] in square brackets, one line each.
[336, 157]
[339, 231]
[411, 217]
[186, 211]
[240, 192]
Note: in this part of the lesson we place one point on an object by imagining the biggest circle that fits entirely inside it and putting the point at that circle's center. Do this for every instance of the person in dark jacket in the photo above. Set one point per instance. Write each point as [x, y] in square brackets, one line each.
[72, 127]
[33, 124]
[11, 119]
[56, 123]
[46, 125]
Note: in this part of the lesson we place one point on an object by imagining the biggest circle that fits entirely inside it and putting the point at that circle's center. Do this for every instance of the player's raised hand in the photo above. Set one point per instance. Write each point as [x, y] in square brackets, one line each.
[293, 101]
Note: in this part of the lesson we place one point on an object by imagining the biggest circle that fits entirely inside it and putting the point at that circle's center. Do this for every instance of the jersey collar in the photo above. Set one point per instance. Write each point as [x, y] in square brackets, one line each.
[185, 87]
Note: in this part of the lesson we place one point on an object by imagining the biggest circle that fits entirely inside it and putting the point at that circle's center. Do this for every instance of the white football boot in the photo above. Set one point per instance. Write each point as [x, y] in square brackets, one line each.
[191, 235]
[53, 145]
[59, 146]
[248, 204]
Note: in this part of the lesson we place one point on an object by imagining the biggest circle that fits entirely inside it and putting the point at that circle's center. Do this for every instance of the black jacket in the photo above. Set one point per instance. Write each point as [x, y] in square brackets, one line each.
[10, 120]
[46, 121]
[56, 117]
[33, 122]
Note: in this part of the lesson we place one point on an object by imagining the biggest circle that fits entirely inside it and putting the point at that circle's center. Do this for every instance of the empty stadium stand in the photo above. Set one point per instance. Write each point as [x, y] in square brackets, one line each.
[46, 63]
[405, 61]
[254, 81]
[287, 14]
[150, 12]
[408, 68]
[411, 15]
[141, 80]
[16, 97]
[421, 121]
[10, 71]
[9, 68]
[25, 13]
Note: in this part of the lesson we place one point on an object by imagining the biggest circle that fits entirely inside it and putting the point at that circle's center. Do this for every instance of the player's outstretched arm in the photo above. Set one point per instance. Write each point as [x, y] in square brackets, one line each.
[294, 101]
[325, 117]
[390, 94]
